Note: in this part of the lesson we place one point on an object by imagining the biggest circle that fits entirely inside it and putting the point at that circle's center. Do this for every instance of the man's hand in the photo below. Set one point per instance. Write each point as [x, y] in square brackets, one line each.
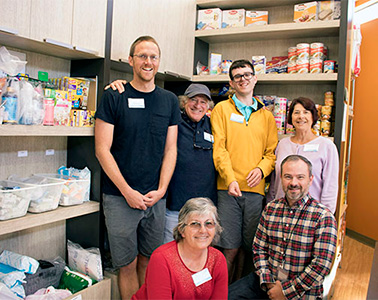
[136, 200]
[254, 177]
[234, 190]
[275, 292]
[117, 85]
[152, 197]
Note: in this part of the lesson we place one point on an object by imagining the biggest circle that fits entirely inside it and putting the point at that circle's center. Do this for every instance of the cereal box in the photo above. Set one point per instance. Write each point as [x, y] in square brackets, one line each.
[215, 63]
[259, 63]
[306, 12]
[233, 18]
[256, 18]
[209, 19]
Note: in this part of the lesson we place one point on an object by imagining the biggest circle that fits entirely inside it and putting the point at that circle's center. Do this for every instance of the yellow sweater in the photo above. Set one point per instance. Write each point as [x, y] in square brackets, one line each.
[241, 147]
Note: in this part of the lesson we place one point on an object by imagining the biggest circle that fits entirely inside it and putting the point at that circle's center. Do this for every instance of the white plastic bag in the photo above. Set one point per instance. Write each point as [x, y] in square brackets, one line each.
[49, 294]
[10, 64]
[86, 261]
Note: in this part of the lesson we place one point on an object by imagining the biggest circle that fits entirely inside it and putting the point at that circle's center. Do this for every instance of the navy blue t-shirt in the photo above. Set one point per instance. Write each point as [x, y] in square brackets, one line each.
[195, 174]
[139, 134]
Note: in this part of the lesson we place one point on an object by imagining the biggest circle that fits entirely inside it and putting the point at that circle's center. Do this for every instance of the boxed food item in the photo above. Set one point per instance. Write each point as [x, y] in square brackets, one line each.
[209, 19]
[46, 194]
[82, 118]
[233, 18]
[75, 191]
[78, 90]
[62, 108]
[259, 64]
[253, 17]
[306, 12]
[215, 63]
[14, 199]
[325, 10]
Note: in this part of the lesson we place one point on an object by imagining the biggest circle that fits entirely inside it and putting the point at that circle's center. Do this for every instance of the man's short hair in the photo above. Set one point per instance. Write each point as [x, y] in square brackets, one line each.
[296, 157]
[241, 63]
[145, 38]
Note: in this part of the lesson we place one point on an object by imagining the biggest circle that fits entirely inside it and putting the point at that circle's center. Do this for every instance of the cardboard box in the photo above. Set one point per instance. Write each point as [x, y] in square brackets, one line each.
[253, 17]
[306, 12]
[100, 290]
[209, 19]
[259, 63]
[215, 63]
[233, 18]
[325, 10]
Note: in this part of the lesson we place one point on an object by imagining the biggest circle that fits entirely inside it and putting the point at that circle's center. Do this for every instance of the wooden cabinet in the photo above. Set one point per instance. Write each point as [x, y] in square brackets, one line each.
[51, 20]
[15, 17]
[170, 22]
[89, 26]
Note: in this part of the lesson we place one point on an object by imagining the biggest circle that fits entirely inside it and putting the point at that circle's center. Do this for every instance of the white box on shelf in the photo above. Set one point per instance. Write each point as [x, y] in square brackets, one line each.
[306, 12]
[215, 63]
[233, 18]
[209, 19]
[253, 17]
[259, 64]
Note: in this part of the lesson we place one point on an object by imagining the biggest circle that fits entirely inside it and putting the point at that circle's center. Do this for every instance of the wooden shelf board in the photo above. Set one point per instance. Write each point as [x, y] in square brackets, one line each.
[61, 213]
[248, 4]
[40, 130]
[274, 78]
[23, 43]
[270, 32]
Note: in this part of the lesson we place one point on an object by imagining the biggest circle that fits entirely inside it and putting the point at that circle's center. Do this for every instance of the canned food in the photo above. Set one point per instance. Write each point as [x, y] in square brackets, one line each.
[303, 51]
[317, 50]
[326, 112]
[303, 67]
[325, 128]
[329, 66]
[316, 66]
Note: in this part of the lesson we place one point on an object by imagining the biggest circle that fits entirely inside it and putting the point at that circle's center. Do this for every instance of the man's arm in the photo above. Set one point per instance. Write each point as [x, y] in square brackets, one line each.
[222, 160]
[103, 143]
[323, 252]
[261, 253]
[167, 167]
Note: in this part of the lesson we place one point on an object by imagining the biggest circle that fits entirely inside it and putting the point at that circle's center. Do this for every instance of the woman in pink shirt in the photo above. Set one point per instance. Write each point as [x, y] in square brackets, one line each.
[321, 151]
[188, 267]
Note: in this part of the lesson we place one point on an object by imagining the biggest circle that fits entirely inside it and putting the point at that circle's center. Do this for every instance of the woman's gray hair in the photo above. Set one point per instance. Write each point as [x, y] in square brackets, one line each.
[197, 206]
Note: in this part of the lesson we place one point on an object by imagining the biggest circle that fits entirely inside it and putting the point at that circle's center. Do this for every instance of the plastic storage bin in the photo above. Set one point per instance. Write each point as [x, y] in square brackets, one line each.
[14, 203]
[75, 191]
[47, 192]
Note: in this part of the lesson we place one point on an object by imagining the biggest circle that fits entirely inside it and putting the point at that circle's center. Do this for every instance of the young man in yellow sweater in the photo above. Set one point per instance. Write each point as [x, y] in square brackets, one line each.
[245, 137]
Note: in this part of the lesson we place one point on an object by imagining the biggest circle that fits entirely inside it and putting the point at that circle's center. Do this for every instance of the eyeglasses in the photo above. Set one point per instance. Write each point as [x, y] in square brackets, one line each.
[198, 101]
[246, 76]
[144, 57]
[197, 225]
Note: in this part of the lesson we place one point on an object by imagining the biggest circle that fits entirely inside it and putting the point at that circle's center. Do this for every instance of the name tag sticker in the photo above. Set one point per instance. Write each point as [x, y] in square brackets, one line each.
[201, 277]
[311, 148]
[136, 102]
[237, 118]
[208, 137]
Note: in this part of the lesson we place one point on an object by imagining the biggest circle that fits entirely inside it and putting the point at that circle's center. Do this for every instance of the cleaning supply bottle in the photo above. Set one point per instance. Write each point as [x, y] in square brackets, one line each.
[10, 100]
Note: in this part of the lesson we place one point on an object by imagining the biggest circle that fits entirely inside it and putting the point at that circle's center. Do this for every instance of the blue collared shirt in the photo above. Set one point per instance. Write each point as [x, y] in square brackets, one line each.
[246, 110]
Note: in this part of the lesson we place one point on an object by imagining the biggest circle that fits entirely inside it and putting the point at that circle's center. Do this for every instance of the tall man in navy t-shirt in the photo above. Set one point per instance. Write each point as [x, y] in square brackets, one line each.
[136, 145]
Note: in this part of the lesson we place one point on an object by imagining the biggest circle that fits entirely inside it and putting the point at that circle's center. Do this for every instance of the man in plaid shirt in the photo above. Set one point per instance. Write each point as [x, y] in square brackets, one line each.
[294, 244]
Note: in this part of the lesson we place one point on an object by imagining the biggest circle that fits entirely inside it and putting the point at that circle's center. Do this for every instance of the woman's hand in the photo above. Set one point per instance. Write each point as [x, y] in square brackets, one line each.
[117, 85]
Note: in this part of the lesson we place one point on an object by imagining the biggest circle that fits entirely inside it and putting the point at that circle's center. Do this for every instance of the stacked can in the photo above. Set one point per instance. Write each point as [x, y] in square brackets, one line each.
[289, 128]
[317, 126]
[329, 66]
[303, 58]
[292, 57]
[279, 113]
[317, 57]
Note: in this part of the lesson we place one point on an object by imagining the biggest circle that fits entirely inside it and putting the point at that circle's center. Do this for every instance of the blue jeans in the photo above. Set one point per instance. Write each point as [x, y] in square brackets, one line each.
[247, 288]
[171, 221]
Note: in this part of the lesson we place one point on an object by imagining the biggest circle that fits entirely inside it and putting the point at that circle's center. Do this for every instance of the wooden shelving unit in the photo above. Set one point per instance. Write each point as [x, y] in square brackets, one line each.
[226, 4]
[31, 220]
[40, 130]
[270, 32]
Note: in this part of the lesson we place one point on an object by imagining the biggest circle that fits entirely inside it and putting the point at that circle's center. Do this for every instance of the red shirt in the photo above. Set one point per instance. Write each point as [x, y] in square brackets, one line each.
[167, 277]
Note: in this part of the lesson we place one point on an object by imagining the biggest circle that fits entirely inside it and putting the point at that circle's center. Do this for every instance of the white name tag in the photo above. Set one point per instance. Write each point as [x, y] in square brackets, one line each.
[136, 102]
[311, 148]
[208, 137]
[201, 277]
[237, 118]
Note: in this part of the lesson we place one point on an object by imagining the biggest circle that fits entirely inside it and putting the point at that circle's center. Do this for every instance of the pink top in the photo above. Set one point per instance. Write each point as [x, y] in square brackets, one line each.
[323, 155]
[167, 277]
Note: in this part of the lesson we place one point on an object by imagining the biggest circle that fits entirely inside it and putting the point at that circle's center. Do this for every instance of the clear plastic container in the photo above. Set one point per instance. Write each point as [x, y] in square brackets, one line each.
[75, 191]
[14, 203]
[47, 192]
